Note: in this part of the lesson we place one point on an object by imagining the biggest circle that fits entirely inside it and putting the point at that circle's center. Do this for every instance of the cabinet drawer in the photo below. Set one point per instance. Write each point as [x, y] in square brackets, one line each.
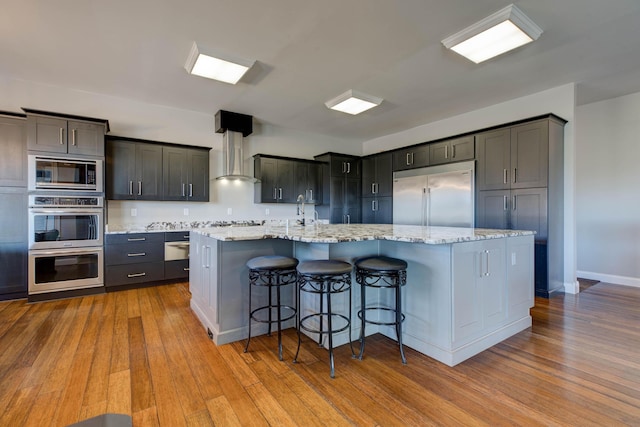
[134, 253]
[127, 274]
[116, 239]
[178, 269]
[176, 236]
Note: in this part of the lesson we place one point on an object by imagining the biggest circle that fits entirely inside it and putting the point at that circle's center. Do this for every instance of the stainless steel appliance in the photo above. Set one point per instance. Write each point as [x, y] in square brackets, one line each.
[66, 235]
[176, 251]
[435, 196]
[48, 174]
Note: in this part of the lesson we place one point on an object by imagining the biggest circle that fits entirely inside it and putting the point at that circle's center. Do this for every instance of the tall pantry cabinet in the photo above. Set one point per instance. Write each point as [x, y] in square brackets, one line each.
[519, 182]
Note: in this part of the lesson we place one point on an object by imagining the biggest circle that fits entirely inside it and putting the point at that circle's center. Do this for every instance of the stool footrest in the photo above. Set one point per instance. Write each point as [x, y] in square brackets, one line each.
[375, 322]
[274, 319]
[321, 316]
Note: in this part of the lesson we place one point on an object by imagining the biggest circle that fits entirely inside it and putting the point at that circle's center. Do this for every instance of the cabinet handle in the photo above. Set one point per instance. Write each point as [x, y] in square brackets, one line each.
[514, 202]
[348, 167]
[139, 188]
[185, 237]
[73, 136]
[408, 159]
[488, 273]
[185, 268]
[131, 188]
[446, 151]
[344, 167]
[183, 190]
[204, 256]
[504, 176]
[515, 174]
[136, 239]
[61, 136]
[348, 219]
[280, 193]
[275, 197]
[311, 193]
[190, 190]
[453, 151]
[137, 254]
[136, 275]
[374, 205]
[505, 202]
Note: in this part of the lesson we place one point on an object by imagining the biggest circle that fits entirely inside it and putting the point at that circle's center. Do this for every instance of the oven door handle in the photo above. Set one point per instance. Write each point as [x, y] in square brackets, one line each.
[63, 210]
[64, 251]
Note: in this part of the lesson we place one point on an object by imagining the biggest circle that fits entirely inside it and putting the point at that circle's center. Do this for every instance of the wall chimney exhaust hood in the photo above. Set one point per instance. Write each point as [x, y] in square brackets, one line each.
[233, 127]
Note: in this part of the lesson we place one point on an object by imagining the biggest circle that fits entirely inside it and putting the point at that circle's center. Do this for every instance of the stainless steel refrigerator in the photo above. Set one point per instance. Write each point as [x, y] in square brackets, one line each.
[435, 196]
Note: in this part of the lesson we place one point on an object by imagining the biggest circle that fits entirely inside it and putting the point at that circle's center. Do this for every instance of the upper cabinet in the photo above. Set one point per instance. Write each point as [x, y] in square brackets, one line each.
[411, 157]
[13, 162]
[341, 188]
[377, 175]
[307, 181]
[452, 150]
[283, 180]
[68, 135]
[344, 166]
[185, 174]
[514, 157]
[134, 170]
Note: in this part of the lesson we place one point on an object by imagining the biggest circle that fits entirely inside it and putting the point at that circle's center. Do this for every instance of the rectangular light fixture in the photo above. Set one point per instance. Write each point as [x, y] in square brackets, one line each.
[501, 32]
[353, 102]
[216, 65]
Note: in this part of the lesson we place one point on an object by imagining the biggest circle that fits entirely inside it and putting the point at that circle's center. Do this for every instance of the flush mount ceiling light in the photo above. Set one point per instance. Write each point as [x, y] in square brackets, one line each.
[216, 65]
[352, 102]
[501, 32]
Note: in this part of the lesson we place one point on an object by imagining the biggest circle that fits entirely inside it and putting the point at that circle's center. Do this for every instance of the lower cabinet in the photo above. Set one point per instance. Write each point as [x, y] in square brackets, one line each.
[133, 258]
[13, 243]
[377, 210]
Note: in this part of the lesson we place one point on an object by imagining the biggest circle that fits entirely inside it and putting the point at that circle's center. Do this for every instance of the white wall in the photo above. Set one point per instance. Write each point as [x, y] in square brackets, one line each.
[559, 100]
[608, 190]
[154, 122]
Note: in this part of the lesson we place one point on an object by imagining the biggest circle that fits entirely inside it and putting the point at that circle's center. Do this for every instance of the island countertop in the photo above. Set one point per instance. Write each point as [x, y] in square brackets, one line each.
[338, 233]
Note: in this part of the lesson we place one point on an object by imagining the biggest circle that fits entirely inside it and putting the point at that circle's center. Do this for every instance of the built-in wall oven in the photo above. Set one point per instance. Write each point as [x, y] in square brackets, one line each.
[55, 174]
[65, 242]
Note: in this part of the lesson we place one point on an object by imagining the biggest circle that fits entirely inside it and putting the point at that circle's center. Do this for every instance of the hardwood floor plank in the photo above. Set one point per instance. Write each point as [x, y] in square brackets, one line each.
[93, 410]
[120, 351]
[200, 419]
[10, 313]
[147, 417]
[9, 385]
[44, 409]
[19, 407]
[119, 393]
[269, 406]
[141, 386]
[222, 413]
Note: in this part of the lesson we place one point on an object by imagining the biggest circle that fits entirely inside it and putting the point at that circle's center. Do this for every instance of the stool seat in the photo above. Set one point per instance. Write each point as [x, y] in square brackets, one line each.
[381, 263]
[271, 262]
[324, 267]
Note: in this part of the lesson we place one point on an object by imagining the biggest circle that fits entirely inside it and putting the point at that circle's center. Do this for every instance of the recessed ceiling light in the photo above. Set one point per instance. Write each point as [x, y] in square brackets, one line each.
[352, 102]
[501, 32]
[216, 65]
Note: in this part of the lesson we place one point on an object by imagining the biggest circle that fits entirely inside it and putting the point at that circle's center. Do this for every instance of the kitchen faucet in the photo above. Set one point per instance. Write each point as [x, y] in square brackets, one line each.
[300, 207]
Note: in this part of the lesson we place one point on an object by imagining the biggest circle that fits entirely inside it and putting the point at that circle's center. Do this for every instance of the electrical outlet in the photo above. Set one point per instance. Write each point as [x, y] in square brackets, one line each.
[134, 212]
[185, 211]
[229, 211]
[266, 211]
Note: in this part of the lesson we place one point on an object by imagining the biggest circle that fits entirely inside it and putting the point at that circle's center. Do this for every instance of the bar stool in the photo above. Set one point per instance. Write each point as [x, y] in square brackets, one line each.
[324, 278]
[384, 273]
[272, 271]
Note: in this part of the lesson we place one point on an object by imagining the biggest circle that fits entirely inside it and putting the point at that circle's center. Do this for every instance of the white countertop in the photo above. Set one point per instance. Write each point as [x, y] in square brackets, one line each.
[336, 233]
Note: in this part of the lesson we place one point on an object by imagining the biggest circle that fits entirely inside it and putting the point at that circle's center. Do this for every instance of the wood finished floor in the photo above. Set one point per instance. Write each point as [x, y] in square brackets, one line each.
[142, 352]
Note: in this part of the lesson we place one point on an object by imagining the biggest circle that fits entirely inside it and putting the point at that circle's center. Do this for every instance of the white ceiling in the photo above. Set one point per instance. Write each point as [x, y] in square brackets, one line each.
[311, 51]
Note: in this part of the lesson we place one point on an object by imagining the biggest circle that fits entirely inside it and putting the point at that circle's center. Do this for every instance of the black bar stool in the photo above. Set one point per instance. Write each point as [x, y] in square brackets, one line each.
[384, 273]
[272, 271]
[325, 278]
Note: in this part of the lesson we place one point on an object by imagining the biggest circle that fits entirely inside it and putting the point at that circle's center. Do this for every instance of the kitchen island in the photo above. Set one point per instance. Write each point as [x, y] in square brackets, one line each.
[467, 289]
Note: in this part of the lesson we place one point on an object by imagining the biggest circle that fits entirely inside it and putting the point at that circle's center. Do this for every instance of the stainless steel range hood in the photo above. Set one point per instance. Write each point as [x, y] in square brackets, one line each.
[234, 127]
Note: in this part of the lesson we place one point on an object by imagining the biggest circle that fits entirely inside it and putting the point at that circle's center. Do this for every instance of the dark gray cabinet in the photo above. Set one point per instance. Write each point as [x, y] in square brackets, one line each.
[513, 157]
[377, 210]
[133, 258]
[275, 180]
[411, 157]
[13, 242]
[452, 150]
[377, 189]
[59, 135]
[341, 188]
[134, 170]
[185, 174]
[13, 161]
[519, 178]
[307, 180]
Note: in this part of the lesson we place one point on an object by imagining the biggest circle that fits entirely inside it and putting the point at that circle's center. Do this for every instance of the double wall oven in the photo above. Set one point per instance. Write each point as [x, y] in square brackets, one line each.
[66, 224]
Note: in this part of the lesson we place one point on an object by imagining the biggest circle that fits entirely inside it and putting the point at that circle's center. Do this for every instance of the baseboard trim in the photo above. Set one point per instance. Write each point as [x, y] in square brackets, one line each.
[572, 288]
[610, 278]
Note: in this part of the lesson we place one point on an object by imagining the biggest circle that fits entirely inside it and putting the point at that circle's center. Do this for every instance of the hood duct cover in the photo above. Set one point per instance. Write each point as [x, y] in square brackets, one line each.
[234, 128]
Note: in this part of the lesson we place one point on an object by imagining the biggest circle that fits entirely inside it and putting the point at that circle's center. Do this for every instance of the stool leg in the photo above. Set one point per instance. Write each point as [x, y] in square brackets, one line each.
[353, 354]
[269, 288]
[321, 328]
[363, 303]
[298, 286]
[399, 321]
[279, 322]
[246, 347]
[330, 325]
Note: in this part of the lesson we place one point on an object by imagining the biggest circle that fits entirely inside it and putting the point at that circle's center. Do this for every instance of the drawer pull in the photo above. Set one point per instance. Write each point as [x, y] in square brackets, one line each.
[136, 275]
[136, 239]
[185, 269]
[137, 254]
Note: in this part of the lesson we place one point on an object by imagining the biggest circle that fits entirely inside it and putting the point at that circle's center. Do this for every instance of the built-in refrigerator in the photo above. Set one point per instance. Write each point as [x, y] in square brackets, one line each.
[435, 196]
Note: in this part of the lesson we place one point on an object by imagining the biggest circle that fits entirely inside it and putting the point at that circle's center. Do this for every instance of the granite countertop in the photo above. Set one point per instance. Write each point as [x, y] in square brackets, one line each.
[336, 233]
[160, 227]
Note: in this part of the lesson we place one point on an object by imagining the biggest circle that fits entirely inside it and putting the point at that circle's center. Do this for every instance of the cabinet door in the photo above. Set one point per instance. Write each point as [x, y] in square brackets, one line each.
[493, 209]
[530, 155]
[494, 283]
[520, 274]
[368, 210]
[286, 182]
[13, 243]
[494, 159]
[410, 158]
[384, 210]
[439, 152]
[338, 165]
[463, 148]
[148, 182]
[47, 134]
[13, 162]
[174, 173]
[85, 138]
[529, 211]
[352, 201]
[266, 171]
[337, 199]
[314, 183]
[120, 170]
[368, 177]
[384, 175]
[198, 171]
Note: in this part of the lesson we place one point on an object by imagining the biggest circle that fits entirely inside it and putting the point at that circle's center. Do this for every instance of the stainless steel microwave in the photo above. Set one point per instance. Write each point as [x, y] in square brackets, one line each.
[47, 173]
